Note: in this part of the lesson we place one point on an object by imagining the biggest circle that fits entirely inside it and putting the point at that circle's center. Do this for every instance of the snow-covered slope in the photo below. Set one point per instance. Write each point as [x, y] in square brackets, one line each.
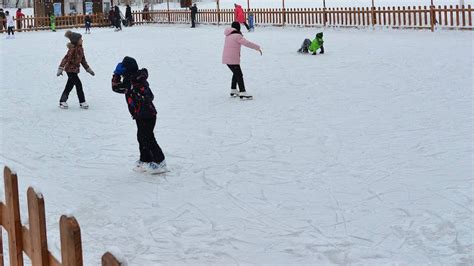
[362, 155]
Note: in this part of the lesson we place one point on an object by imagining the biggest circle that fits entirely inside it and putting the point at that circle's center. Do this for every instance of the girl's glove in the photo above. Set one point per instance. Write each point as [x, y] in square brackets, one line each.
[90, 71]
[60, 72]
[119, 69]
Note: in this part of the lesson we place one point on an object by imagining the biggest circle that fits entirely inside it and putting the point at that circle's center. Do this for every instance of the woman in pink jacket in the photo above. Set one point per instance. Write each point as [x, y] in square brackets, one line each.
[231, 57]
[239, 16]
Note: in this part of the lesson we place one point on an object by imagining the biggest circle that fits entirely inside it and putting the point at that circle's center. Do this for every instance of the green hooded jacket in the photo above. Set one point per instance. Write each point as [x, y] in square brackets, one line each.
[316, 43]
[52, 19]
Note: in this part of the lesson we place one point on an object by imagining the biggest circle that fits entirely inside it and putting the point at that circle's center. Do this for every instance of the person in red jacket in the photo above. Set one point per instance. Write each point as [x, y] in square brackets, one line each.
[239, 16]
[19, 17]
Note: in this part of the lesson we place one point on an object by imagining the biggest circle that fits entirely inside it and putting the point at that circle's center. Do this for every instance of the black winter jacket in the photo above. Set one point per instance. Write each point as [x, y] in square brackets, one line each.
[137, 92]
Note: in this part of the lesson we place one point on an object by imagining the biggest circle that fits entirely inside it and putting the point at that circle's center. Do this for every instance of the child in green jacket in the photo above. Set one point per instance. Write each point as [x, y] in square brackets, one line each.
[312, 46]
[52, 20]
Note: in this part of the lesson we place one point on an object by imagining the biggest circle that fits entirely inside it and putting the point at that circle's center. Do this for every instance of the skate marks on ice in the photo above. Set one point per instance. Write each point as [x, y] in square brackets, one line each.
[361, 159]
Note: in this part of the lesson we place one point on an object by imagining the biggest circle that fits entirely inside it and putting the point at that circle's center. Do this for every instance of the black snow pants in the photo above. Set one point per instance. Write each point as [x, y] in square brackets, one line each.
[150, 151]
[73, 80]
[237, 78]
[305, 46]
[193, 21]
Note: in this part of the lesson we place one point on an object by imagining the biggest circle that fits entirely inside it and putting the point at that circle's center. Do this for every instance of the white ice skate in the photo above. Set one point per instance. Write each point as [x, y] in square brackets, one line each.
[84, 105]
[244, 96]
[156, 168]
[234, 93]
[63, 105]
[140, 166]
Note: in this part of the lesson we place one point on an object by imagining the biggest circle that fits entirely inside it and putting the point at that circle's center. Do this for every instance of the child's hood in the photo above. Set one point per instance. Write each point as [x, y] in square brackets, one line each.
[141, 75]
[228, 31]
[70, 45]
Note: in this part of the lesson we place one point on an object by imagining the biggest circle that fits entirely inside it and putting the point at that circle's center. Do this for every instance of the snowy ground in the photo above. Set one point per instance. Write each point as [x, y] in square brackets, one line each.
[363, 155]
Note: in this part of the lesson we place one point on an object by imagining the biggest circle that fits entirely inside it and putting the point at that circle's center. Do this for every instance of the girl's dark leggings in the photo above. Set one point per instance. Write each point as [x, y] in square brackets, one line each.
[73, 80]
[237, 78]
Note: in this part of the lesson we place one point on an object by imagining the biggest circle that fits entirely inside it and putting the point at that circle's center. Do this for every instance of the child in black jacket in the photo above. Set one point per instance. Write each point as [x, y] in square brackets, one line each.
[139, 99]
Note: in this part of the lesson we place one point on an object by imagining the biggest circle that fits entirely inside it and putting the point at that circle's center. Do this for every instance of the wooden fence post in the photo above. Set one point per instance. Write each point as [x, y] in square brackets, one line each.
[14, 227]
[39, 241]
[325, 16]
[1, 244]
[109, 260]
[432, 17]
[374, 18]
[168, 8]
[218, 13]
[283, 13]
[71, 245]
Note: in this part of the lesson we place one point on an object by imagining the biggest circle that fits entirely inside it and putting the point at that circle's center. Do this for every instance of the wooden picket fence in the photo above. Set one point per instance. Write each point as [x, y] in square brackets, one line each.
[421, 17]
[32, 240]
[31, 23]
[415, 17]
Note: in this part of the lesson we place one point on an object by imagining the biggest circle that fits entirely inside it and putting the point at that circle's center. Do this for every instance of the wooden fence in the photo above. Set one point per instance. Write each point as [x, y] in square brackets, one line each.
[418, 17]
[32, 240]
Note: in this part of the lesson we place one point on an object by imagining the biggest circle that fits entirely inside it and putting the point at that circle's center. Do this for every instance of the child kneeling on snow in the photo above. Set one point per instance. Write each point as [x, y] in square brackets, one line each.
[139, 98]
[312, 46]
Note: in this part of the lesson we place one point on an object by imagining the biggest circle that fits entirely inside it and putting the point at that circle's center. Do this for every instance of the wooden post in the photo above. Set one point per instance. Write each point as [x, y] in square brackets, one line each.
[325, 18]
[109, 260]
[71, 245]
[1, 243]
[248, 6]
[218, 13]
[283, 12]
[469, 16]
[14, 227]
[168, 8]
[432, 16]
[39, 241]
[374, 18]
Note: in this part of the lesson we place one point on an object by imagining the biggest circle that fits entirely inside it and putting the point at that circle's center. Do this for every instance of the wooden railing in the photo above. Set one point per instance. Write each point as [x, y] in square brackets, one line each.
[32, 240]
[429, 17]
[31, 23]
[421, 17]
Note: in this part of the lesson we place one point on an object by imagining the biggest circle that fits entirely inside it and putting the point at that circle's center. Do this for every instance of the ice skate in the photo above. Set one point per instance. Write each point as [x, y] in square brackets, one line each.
[63, 105]
[84, 105]
[234, 93]
[244, 96]
[156, 168]
[139, 166]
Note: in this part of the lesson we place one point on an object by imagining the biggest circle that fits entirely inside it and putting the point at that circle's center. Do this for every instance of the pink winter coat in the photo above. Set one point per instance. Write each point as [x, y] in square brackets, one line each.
[239, 14]
[233, 43]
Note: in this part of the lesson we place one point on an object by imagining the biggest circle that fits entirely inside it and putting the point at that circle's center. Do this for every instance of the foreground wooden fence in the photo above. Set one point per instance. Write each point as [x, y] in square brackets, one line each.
[32, 240]
[416, 17]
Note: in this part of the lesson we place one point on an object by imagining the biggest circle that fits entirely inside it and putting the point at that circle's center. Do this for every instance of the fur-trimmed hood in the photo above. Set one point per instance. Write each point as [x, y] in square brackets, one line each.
[74, 37]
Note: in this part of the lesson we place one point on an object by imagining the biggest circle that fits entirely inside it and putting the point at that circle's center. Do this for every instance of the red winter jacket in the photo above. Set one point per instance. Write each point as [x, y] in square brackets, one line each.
[239, 14]
[19, 14]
